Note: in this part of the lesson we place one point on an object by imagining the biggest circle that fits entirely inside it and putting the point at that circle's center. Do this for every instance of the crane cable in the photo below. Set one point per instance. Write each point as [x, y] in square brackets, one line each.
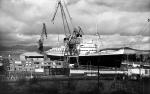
[140, 32]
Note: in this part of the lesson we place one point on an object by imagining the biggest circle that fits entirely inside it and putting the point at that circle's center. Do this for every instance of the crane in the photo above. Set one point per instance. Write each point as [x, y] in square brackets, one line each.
[72, 37]
[41, 40]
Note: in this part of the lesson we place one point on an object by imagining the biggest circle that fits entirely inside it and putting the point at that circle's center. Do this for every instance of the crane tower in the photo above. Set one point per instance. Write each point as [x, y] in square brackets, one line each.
[41, 40]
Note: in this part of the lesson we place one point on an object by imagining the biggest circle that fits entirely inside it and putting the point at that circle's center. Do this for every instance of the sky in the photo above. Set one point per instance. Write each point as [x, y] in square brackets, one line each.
[119, 22]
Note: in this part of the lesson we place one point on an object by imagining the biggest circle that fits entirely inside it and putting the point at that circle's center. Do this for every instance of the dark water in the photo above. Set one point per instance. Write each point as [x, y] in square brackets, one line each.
[75, 87]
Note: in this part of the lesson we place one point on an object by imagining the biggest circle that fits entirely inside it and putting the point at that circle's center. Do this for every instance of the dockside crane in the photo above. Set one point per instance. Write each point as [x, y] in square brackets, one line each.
[41, 40]
[72, 37]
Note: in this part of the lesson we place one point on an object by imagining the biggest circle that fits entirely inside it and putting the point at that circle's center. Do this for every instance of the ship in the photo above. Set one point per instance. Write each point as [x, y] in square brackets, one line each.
[89, 55]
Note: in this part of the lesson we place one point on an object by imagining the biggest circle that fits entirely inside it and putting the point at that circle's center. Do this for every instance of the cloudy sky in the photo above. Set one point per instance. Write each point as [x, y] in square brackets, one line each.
[119, 22]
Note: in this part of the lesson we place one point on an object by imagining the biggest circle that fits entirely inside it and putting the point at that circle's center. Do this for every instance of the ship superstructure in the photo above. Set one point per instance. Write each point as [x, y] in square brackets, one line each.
[85, 48]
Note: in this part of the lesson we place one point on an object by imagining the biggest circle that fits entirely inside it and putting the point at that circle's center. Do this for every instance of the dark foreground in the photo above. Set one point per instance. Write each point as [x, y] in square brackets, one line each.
[73, 86]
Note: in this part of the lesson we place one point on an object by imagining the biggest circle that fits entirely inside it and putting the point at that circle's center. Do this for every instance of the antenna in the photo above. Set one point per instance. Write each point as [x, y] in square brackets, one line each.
[97, 33]
[58, 40]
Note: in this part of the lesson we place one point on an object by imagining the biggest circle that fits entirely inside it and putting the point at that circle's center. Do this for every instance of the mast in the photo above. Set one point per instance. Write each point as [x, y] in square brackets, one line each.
[98, 34]
[58, 40]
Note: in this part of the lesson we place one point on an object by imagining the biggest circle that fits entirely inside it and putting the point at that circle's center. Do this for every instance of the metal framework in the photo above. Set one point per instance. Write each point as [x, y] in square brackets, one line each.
[72, 39]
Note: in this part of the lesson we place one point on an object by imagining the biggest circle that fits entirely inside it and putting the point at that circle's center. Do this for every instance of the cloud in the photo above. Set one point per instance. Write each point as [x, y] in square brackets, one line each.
[21, 20]
[109, 19]
[124, 5]
[116, 40]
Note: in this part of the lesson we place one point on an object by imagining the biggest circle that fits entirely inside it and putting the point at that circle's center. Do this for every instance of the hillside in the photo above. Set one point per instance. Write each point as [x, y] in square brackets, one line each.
[22, 48]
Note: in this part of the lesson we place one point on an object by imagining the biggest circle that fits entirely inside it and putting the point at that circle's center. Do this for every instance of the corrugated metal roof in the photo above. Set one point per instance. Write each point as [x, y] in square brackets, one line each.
[31, 54]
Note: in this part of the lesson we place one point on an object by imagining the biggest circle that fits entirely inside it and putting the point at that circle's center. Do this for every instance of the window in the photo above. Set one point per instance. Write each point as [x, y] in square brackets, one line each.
[58, 63]
[36, 62]
[146, 71]
[8, 68]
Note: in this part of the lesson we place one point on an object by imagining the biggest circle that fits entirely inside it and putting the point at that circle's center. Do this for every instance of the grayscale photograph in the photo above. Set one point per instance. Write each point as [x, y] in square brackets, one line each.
[74, 46]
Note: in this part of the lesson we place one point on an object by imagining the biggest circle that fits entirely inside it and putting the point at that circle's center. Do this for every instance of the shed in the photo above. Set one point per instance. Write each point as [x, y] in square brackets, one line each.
[26, 55]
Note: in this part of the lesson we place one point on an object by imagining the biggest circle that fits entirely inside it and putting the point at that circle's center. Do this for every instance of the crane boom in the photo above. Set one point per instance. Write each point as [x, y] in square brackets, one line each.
[68, 13]
[55, 13]
[138, 37]
[63, 15]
